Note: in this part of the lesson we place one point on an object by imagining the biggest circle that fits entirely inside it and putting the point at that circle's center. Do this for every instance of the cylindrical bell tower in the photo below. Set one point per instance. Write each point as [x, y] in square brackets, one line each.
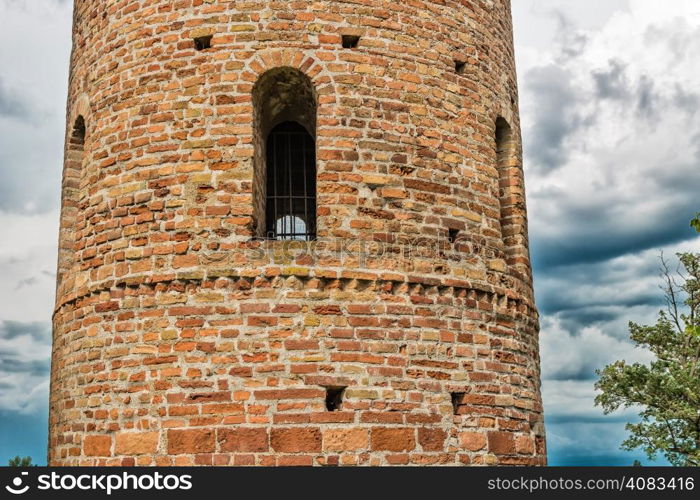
[294, 234]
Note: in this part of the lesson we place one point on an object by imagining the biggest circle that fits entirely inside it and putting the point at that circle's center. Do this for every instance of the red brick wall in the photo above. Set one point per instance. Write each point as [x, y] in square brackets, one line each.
[180, 340]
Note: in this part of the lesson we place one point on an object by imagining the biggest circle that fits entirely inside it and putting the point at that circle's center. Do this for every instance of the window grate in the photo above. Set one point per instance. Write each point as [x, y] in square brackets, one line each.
[291, 184]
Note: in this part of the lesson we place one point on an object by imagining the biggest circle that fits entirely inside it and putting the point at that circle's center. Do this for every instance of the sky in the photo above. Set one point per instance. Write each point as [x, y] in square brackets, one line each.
[609, 99]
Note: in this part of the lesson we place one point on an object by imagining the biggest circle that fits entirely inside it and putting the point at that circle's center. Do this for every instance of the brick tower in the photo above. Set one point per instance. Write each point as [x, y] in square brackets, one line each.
[294, 233]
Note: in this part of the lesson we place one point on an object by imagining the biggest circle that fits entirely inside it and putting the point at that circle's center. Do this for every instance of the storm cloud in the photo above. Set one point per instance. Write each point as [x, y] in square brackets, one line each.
[613, 174]
[35, 41]
[24, 365]
[609, 98]
[11, 104]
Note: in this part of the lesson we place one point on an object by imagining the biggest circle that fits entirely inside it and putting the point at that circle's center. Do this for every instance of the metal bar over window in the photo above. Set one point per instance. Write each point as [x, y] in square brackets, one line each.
[291, 183]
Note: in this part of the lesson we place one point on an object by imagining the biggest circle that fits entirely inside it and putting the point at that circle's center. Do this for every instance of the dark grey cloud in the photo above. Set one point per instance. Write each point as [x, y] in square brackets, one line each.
[12, 104]
[574, 457]
[31, 281]
[614, 83]
[601, 232]
[9, 363]
[588, 419]
[611, 83]
[587, 309]
[647, 98]
[689, 101]
[575, 317]
[35, 41]
[39, 331]
[612, 158]
[575, 355]
[601, 275]
[571, 42]
[30, 172]
[631, 125]
[590, 442]
[583, 371]
[25, 349]
[556, 117]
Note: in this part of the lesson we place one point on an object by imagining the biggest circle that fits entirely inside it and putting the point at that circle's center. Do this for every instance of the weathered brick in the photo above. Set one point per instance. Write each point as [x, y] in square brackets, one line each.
[393, 439]
[296, 440]
[472, 441]
[344, 440]
[183, 337]
[189, 441]
[97, 446]
[289, 394]
[525, 445]
[501, 443]
[136, 443]
[243, 440]
[431, 439]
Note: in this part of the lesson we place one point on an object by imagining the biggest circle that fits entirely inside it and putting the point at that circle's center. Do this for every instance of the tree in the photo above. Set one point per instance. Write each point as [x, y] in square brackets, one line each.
[20, 462]
[668, 389]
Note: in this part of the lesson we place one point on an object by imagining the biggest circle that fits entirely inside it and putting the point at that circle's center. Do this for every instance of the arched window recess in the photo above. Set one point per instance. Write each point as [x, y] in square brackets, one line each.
[72, 174]
[284, 187]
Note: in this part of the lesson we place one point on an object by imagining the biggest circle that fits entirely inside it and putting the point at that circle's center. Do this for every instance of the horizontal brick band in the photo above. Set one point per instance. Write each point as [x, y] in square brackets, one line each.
[405, 333]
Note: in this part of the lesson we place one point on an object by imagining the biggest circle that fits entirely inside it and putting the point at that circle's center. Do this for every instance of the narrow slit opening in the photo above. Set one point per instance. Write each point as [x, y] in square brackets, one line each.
[350, 41]
[334, 398]
[203, 42]
[507, 164]
[457, 401]
[453, 234]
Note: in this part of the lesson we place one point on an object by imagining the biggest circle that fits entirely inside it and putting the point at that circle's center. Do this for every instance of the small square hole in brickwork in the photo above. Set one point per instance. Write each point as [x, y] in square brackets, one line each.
[457, 399]
[460, 67]
[203, 42]
[334, 398]
[350, 41]
[453, 235]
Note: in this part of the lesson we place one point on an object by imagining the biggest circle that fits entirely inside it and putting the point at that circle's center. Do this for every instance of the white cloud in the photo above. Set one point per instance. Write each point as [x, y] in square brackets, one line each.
[35, 41]
[619, 151]
[571, 356]
[25, 350]
[573, 401]
[28, 266]
[609, 102]
[24, 394]
[577, 431]
[613, 172]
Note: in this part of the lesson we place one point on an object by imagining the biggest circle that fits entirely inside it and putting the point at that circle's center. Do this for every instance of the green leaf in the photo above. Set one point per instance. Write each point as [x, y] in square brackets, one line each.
[20, 462]
[696, 223]
[666, 390]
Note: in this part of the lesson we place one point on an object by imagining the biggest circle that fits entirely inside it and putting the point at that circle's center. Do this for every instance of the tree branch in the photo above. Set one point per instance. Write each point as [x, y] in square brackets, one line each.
[671, 290]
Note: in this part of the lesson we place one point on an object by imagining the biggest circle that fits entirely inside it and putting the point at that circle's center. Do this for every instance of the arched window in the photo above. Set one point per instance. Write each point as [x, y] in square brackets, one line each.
[284, 187]
[72, 170]
[508, 182]
[291, 183]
